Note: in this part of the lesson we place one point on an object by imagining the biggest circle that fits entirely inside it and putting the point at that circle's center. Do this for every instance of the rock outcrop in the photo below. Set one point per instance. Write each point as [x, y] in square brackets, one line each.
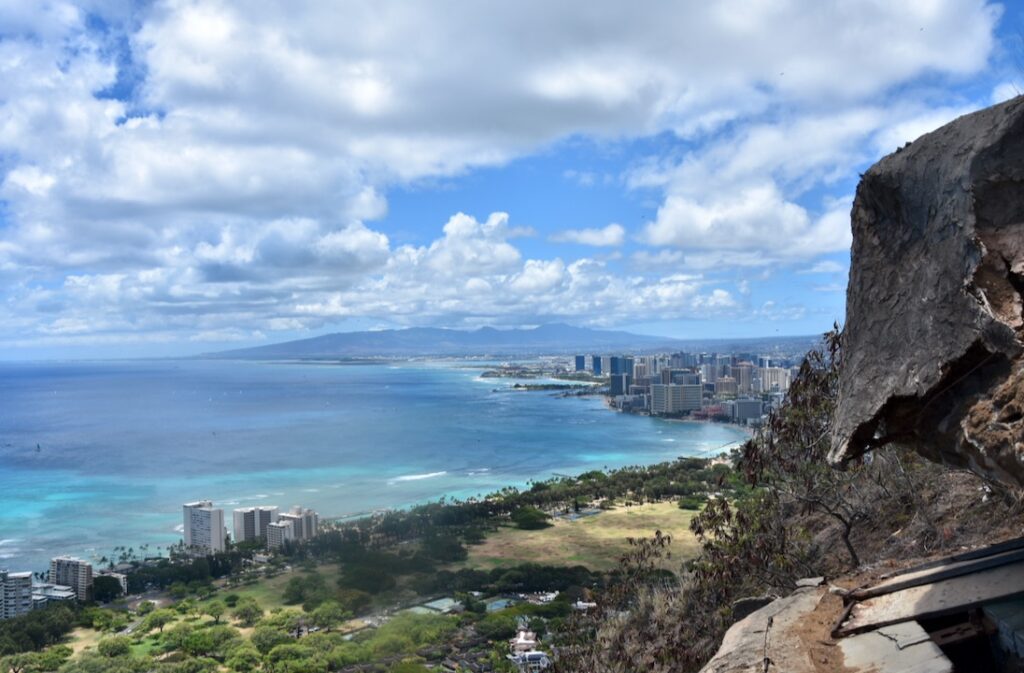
[932, 345]
[762, 641]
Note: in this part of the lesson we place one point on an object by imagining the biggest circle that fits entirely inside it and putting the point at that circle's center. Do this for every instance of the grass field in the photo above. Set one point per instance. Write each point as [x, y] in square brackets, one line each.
[268, 592]
[81, 639]
[596, 541]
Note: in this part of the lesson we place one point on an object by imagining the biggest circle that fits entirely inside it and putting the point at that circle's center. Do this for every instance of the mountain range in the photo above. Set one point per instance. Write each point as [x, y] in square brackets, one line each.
[423, 341]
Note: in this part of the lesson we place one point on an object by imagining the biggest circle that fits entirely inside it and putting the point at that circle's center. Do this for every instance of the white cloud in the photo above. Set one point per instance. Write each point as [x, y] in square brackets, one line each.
[232, 188]
[611, 236]
[757, 218]
[538, 276]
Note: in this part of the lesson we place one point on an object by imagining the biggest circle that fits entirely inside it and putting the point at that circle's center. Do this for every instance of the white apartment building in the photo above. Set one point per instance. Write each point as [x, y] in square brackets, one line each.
[251, 522]
[204, 527]
[774, 379]
[280, 531]
[310, 522]
[72, 572]
[306, 522]
[15, 594]
[45, 594]
[298, 524]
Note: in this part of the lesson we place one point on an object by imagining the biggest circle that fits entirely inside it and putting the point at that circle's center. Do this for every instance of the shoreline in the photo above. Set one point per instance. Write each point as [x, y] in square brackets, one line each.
[698, 421]
[151, 523]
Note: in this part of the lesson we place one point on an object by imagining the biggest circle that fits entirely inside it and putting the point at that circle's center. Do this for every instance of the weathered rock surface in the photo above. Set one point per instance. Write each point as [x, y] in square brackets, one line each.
[761, 642]
[932, 341]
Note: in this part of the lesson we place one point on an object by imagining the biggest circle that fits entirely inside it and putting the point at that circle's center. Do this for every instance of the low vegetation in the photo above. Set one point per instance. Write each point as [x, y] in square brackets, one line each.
[798, 517]
[597, 541]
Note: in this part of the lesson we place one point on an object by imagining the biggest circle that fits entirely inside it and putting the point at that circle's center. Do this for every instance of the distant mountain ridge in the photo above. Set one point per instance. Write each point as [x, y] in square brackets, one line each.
[553, 338]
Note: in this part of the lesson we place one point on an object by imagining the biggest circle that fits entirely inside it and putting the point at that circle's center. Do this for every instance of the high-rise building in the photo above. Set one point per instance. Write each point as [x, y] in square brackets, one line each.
[683, 360]
[204, 527]
[774, 379]
[305, 522]
[683, 377]
[581, 363]
[726, 385]
[744, 375]
[72, 572]
[251, 522]
[620, 384]
[693, 396]
[680, 376]
[606, 364]
[310, 522]
[745, 410]
[280, 532]
[670, 398]
[595, 364]
[15, 594]
[661, 399]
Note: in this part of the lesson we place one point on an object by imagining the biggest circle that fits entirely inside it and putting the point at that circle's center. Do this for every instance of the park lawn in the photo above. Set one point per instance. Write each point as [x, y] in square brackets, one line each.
[144, 646]
[269, 592]
[596, 542]
[81, 639]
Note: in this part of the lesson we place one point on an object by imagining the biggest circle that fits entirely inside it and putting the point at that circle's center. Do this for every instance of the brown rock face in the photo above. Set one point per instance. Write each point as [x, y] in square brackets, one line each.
[932, 344]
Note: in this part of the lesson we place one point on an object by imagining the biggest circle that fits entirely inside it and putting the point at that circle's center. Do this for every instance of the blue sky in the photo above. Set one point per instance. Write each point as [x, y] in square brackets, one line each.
[179, 177]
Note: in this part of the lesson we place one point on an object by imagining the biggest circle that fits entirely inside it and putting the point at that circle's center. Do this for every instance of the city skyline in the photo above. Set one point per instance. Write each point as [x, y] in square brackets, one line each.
[180, 178]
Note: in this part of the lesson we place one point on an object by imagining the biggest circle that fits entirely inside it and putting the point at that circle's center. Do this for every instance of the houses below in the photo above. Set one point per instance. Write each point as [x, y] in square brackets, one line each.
[523, 652]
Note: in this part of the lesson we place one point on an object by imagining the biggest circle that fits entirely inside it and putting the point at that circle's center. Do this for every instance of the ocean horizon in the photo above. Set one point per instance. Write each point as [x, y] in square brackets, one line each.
[98, 455]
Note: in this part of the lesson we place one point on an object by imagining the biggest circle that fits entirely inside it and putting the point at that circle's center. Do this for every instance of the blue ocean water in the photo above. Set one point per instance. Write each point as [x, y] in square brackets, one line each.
[121, 445]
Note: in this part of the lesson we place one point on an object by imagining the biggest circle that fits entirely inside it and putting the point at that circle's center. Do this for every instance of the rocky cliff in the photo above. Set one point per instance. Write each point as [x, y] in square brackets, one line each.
[932, 344]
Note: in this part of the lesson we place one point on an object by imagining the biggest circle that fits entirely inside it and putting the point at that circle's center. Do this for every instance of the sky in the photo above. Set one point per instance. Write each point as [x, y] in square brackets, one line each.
[181, 177]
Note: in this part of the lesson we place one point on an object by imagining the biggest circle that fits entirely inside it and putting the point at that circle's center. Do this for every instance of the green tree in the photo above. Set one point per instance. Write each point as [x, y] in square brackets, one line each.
[329, 615]
[294, 591]
[24, 662]
[105, 588]
[215, 609]
[530, 518]
[354, 600]
[497, 626]
[199, 643]
[244, 659]
[248, 612]
[158, 619]
[266, 638]
[185, 607]
[114, 646]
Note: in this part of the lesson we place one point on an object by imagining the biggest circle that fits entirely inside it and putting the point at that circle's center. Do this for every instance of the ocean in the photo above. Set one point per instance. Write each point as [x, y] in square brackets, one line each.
[98, 455]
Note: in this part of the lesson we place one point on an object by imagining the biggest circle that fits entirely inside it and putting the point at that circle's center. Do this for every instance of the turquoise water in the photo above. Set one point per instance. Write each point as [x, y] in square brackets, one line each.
[123, 444]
